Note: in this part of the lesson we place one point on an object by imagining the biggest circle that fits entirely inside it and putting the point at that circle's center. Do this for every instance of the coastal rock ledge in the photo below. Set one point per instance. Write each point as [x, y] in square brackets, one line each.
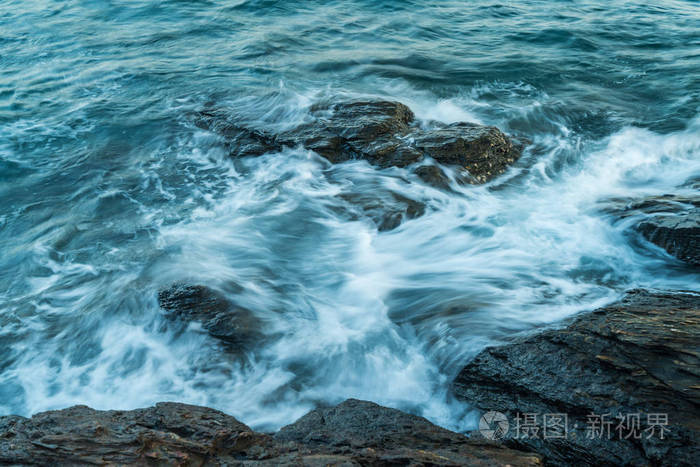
[352, 433]
[627, 377]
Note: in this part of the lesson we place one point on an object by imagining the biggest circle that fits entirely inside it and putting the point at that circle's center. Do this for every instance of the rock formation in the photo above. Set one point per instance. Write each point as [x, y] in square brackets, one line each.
[622, 368]
[385, 133]
[352, 433]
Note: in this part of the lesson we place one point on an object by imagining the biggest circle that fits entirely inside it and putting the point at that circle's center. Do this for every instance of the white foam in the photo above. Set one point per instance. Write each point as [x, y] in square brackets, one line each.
[350, 311]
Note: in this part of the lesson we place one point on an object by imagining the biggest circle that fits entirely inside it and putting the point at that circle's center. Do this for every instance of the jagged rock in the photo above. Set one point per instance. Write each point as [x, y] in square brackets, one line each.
[483, 150]
[394, 437]
[167, 434]
[354, 433]
[640, 355]
[384, 133]
[671, 222]
[235, 325]
[370, 130]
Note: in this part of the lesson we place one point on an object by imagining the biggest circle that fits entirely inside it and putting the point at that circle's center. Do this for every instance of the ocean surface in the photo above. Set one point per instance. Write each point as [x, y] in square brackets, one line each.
[110, 193]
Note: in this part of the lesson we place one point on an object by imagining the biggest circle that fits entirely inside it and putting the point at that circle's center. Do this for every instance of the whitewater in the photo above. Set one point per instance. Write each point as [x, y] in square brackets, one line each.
[110, 193]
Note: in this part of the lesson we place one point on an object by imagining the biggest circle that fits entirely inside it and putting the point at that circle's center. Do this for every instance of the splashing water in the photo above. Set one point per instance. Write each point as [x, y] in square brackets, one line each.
[110, 194]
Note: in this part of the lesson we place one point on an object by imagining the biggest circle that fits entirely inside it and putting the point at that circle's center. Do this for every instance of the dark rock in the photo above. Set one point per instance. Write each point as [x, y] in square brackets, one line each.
[638, 356]
[385, 134]
[382, 132]
[484, 151]
[167, 434]
[370, 130]
[670, 222]
[235, 325]
[433, 175]
[679, 235]
[240, 141]
[389, 436]
[386, 210]
[353, 433]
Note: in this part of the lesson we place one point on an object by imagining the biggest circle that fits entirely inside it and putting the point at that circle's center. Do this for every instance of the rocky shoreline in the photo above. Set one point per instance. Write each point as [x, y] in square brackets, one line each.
[626, 378]
[627, 361]
[638, 356]
[352, 433]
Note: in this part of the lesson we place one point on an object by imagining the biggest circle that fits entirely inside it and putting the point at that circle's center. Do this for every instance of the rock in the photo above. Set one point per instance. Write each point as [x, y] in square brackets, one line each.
[370, 130]
[388, 436]
[679, 234]
[433, 176]
[670, 222]
[484, 151]
[638, 356]
[384, 133]
[236, 326]
[674, 225]
[385, 209]
[240, 141]
[353, 433]
[167, 434]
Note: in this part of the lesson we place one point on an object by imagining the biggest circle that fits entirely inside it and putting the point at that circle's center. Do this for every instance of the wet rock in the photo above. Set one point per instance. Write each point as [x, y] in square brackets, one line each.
[370, 130]
[167, 434]
[638, 356]
[240, 141]
[234, 325]
[678, 234]
[380, 435]
[484, 151]
[384, 133]
[386, 210]
[353, 433]
[433, 175]
[670, 222]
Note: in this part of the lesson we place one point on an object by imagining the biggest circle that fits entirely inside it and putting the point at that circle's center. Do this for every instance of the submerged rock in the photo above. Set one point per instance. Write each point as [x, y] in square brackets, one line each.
[385, 209]
[433, 175]
[239, 139]
[352, 433]
[638, 356]
[384, 133]
[670, 222]
[234, 325]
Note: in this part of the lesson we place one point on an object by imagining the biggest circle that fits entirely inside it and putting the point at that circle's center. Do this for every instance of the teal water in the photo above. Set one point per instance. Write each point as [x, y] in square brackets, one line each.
[109, 192]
